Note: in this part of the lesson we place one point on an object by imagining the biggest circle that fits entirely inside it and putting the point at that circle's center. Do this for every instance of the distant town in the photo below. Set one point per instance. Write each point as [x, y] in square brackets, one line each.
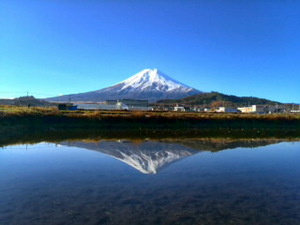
[145, 105]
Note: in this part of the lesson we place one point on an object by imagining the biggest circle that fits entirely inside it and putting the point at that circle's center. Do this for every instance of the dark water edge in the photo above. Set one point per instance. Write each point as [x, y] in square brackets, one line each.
[38, 126]
[152, 121]
[33, 134]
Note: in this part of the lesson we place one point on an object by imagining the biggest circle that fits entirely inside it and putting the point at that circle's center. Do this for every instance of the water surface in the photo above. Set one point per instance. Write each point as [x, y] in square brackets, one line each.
[151, 182]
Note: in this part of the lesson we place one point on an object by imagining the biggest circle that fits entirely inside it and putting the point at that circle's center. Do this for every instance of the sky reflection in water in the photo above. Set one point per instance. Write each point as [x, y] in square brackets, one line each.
[150, 182]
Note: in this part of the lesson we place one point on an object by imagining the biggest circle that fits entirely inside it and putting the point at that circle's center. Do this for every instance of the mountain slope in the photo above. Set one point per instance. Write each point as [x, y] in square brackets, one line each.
[149, 84]
[212, 97]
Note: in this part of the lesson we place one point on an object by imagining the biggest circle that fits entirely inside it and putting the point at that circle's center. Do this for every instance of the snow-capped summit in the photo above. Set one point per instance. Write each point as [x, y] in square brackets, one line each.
[149, 84]
[153, 78]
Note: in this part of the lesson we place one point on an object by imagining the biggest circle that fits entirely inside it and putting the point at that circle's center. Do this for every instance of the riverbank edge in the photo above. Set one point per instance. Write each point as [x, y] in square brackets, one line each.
[146, 125]
[151, 121]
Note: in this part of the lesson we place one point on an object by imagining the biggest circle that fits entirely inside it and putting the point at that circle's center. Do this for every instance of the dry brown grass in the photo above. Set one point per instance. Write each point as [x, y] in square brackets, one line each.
[53, 111]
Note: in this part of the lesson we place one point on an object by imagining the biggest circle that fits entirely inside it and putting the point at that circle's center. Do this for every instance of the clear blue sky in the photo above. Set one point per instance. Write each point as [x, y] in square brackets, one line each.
[239, 47]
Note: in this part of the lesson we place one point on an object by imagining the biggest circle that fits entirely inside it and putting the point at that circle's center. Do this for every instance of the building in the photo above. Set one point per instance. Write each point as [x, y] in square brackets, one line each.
[179, 109]
[111, 102]
[260, 109]
[295, 111]
[133, 104]
[245, 109]
[263, 109]
[122, 104]
[67, 106]
[227, 110]
[197, 109]
[207, 109]
[293, 108]
[95, 106]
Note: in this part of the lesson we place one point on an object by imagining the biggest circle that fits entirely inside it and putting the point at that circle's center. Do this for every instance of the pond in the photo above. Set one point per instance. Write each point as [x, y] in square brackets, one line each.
[151, 181]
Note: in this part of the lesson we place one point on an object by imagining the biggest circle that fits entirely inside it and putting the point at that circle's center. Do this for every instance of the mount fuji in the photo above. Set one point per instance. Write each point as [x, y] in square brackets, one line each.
[148, 157]
[149, 84]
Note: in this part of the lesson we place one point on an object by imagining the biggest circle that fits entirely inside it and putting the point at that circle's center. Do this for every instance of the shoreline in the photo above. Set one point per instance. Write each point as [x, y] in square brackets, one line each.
[145, 120]
[39, 123]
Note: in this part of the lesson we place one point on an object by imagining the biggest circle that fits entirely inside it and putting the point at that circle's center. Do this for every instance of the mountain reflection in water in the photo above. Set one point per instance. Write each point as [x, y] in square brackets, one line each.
[78, 181]
[149, 157]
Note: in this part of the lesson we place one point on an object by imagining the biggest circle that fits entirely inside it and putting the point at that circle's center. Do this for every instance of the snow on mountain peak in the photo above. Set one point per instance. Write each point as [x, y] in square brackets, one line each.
[153, 79]
[149, 84]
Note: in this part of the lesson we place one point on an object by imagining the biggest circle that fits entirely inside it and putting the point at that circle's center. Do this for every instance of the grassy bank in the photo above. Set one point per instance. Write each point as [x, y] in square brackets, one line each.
[25, 123]
[52, 118]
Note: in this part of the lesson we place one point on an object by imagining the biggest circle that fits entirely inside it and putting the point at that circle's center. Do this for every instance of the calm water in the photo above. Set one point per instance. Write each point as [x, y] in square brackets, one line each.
[151, 182]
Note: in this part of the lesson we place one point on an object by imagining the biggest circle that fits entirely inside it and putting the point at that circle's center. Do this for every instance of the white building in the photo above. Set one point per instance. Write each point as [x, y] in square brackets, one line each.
[179, 109]
[295, 111]
[227, 110]
[122, 104]
[262, 109]
[132, 104]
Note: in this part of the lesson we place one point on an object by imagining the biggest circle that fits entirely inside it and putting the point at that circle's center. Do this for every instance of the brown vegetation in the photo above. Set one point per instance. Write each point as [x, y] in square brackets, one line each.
[51, 117]
[7, 111]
